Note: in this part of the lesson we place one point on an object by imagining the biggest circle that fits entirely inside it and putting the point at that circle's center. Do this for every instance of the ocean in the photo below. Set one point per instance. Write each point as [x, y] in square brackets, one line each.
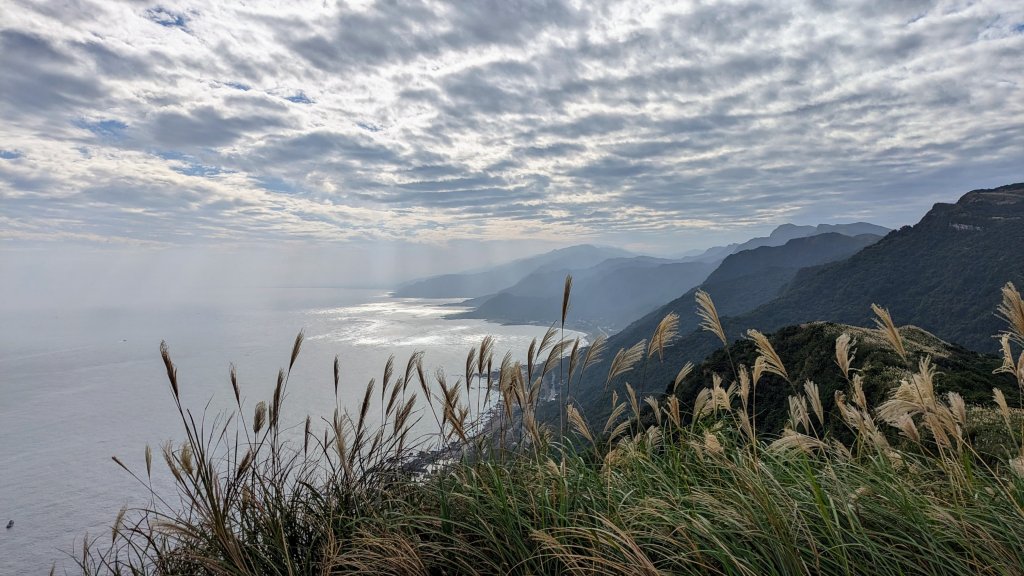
[78, 386]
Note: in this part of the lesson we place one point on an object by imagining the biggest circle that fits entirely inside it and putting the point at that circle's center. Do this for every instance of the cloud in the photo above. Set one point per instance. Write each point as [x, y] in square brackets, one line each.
[624, 122]
[206, 127]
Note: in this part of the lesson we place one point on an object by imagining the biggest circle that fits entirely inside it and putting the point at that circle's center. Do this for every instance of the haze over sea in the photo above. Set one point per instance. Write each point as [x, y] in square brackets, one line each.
[82, 384]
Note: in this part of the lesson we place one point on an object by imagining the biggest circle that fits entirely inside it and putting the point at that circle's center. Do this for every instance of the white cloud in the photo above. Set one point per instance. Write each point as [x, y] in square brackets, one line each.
[638, 123]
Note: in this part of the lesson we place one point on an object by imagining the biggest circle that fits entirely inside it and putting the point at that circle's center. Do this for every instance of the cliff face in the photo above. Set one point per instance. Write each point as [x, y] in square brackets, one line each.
[942, 274]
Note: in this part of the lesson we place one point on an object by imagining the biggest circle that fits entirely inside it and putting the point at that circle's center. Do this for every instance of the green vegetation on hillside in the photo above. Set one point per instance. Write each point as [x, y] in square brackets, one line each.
[701, 489]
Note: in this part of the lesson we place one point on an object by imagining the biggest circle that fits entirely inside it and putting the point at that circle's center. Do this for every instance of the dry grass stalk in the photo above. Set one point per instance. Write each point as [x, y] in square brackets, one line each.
[712, 445]
[172, 371]
[233, 375]
[618, 409]
[701, 405]
[470, 363]
[681, 375]
[845, 353]
[798, 412]
[860, 421]
[531, 355]
[858, 392]
[759, 369]
[711, 400]
[958, 407]
[243, 465]
[396, 391]
[565, 296]
[888, 331]
[811, 392]
[633, 403]
[1004, 409]
[743, 390]
[772, 362]
[908, 428]
[118, 521]
[308, 432]
[167, 449]
[579, 424]
[652, 402]
[185, 458]
[483, 359]
[337, 374]
[625, 360]
[709, 316]
[791, 440]
[573, 359]
[554, 356]
[667, 329]
[149, 461]
[295, 349]
[673, 412]
[547, 339]
[275, 407]
[1011, 309]
[259, 417]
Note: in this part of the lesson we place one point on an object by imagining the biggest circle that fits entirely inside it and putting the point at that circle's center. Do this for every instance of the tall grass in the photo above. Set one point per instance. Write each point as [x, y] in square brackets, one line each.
[698, 491]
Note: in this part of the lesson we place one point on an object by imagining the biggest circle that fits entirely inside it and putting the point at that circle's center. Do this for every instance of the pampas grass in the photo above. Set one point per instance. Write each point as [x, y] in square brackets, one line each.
[887, 330]
[696, 490]
[772, 363]
[709, 316]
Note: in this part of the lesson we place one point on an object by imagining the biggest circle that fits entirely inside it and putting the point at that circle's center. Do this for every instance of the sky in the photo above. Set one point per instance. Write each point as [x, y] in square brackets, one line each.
[365, 142]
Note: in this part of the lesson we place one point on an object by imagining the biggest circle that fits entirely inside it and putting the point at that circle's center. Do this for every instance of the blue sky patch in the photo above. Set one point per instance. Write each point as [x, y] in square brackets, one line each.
[166, 18]
[275, 184]
[10, 154]
[369, 127]
[200, 170]
[192, 166]
[108, 129]
[238, 86]
[299, 98]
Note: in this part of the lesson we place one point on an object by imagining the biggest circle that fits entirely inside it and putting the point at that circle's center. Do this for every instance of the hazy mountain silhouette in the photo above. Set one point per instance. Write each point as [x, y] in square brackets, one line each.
[491, 280]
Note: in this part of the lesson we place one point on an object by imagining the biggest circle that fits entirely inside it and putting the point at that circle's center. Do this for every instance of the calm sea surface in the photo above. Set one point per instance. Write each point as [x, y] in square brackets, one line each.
[80, 386]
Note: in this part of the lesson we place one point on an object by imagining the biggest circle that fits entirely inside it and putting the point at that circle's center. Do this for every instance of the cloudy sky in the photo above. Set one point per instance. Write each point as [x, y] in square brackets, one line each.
[414, 125]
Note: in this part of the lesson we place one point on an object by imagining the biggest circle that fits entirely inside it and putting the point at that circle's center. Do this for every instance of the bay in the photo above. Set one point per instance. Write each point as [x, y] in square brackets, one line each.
[78, 386]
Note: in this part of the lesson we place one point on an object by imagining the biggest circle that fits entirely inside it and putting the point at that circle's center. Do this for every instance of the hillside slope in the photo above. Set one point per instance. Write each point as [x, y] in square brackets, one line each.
[605, 297]
[943, 274]
[491, 280]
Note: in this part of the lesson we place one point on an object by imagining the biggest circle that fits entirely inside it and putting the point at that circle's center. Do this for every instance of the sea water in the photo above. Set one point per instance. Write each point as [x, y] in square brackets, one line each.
[78, 386]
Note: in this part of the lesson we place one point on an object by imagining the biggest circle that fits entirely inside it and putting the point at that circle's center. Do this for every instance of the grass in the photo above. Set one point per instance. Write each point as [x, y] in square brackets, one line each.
[698, 491]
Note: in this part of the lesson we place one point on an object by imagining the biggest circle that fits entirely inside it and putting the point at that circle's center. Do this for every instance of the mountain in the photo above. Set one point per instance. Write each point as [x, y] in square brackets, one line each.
[491, 280]
[943, 274]
[742, 282]
[784, 233]
[787, 232]
[604, 297]
[612, 294]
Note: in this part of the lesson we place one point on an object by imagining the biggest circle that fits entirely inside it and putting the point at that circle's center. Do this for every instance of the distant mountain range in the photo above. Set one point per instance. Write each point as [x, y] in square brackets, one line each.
[494, 279]
[943, 274]
[604, 297]
[609, 295]
[785, 233]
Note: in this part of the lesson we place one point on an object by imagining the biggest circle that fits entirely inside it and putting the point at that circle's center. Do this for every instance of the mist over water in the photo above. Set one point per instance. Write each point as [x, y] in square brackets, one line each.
[78, 386]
